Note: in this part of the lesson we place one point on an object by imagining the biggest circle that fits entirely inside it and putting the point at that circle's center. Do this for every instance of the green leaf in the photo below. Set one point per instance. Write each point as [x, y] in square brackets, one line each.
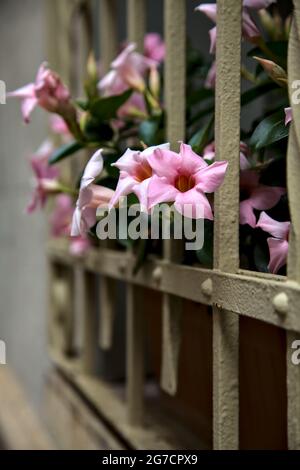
[106, 108]
[148, 131]
[201, 138]
[205, 255]
[141, 254]
[199, 95]
[270, 130]
[65, 151]
[277, 48]
[257, 91]
[83, 104]
[98, 131]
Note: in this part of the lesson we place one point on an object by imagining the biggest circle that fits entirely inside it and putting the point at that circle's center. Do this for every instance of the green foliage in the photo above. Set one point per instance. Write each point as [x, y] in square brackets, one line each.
[65, 151]
[270, 130]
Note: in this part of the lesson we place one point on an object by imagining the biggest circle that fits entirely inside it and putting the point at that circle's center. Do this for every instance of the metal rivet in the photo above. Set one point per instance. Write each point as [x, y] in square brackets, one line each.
[281, 303]
[157, 273]
[207, 287]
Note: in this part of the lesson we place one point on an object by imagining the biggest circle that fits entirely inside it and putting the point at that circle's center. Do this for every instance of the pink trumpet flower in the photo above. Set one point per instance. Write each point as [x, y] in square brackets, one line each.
[91, 196]
[59, 126]
[278, 243]
[249, 28]
[127, 71]
[209, 154]
[79, 245]
[154, 47]
[47, 91]
[184, 178]
[45, 176]
[256, 196]
[61, 217]
[135, 174]
[210, 81]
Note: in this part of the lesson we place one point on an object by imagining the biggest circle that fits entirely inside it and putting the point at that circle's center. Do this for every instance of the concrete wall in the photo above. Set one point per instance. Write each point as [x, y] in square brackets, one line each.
[22, 256]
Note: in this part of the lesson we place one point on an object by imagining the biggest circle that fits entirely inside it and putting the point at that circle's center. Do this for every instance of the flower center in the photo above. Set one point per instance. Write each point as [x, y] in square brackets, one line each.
[143, 172]
[184, 182]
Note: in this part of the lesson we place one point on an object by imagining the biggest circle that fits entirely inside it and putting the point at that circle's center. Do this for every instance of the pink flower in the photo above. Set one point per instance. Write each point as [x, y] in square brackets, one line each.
[59, 126]
[135, 174]
[184, 178]
[154, 47]
[210, 81]
[79, 245]
[60, 218]
[45, 175]
[249, 28]
[278, 243]
[47, 91]
[91, 196]
[256, 196]
[288, 115]
[127, 71]
[209, 154]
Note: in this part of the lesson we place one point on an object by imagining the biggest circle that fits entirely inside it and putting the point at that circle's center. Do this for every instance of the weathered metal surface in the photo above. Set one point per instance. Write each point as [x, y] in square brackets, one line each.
[226, 226]
[175, 37]
[136, 26]
[293, 175]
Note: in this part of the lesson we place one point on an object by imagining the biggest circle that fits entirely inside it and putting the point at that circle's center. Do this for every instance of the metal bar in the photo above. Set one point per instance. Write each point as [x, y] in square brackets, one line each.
[175, 38]
[108, 32]
[136, 25]
[90, 336]
[136, 22]
[211, 287]
[293, 175]
[226, 238]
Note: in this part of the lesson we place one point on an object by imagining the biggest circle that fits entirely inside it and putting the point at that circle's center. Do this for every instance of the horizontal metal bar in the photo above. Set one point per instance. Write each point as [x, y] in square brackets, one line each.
[241, 293]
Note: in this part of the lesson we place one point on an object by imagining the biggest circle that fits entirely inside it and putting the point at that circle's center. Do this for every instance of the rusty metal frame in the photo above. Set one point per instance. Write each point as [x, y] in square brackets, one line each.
[230, 291]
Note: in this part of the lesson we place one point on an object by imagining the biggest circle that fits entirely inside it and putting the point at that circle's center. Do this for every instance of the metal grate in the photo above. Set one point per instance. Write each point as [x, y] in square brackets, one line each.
[230, 291]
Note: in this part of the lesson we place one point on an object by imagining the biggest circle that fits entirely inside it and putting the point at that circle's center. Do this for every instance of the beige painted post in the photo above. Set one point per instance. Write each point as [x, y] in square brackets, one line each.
[108, 51]
[175, 70]
[226, 228]
[108, 32]
[293, 175]
[90, 331]
[136, 17]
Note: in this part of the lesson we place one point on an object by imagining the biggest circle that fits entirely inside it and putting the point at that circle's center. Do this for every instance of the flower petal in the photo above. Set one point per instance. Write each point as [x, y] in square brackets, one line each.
[210, 178]
[160, 190]
[165, 163]
[125, 186]
[273, 227]
[191, 162]
[247, 215]
[92, 169]
[265, 197]
[278, 254]
[194, 201]
[288, 115]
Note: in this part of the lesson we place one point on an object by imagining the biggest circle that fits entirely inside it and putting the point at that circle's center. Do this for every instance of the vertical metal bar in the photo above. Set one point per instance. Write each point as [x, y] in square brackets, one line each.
[293, 178]
[136, 22]
[107, 312]
[108, 51]
[175, 70]
[136, 17]
[90, 336]
[226, 232]
[108, 32]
